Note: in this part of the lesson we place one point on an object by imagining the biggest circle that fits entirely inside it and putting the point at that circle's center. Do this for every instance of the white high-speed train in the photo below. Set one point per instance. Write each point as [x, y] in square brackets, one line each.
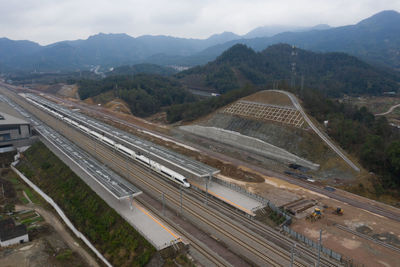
[165, 171]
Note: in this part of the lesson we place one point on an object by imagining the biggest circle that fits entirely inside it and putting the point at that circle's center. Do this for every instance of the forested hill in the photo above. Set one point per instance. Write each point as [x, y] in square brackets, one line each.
[331, 73]
[145, 94]
[142, 68]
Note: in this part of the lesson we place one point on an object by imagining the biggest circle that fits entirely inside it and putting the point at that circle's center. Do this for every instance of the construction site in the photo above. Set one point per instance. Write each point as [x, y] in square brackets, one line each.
[259, 137]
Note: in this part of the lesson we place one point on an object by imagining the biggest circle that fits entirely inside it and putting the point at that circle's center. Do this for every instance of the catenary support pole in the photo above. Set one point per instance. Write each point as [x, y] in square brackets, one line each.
[181, 199]
[292, 255]
[163, 204]
[319, 247]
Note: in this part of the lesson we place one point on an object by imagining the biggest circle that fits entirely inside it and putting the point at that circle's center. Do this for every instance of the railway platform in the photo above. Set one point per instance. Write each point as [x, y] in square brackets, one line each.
[237, 200]
[113, 189]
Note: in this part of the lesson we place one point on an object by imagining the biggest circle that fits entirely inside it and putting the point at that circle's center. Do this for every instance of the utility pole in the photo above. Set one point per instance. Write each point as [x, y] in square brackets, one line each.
[181, 199]
[319, 247]
[206, 191]
[163, 204]
[292, 256]
[293, 65]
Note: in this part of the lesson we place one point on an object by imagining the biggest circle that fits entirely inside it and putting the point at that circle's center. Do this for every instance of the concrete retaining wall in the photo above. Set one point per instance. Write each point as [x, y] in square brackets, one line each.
[248, 143]
[61, 213]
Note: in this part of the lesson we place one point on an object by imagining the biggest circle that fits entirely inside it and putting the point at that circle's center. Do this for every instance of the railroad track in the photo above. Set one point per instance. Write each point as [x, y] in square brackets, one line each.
[264, 250]
[356, 203]
[264, 230]
[194, 242]
[171, 195]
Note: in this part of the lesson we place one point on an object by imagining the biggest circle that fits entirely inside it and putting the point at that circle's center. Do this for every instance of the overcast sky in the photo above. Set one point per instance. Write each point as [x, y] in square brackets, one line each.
[48, 21]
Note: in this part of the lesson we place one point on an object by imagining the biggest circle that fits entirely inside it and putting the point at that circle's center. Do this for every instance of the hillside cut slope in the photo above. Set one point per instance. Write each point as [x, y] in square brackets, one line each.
[267, 125]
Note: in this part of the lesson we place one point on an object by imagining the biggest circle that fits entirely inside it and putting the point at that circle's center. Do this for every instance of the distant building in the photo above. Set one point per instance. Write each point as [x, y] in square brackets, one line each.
[11, 234]
[14, 132]
[392, 93]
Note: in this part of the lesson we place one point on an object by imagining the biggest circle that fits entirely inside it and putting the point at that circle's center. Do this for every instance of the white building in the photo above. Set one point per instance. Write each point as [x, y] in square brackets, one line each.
[11, 234]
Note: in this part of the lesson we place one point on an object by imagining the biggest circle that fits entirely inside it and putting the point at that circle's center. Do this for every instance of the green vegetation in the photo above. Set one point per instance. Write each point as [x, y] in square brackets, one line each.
[192, 111]
[333, 74]
[65, 255]
[358, 131]
[142, 68]
[15, 188]
[145, 94]
[108, 231]
[32, 220]
[276, 217]
[237, 69]
[270, 217]
[182, 260]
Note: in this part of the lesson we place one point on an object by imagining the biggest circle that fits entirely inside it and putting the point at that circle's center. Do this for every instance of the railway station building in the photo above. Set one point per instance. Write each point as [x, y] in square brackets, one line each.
[14, 132]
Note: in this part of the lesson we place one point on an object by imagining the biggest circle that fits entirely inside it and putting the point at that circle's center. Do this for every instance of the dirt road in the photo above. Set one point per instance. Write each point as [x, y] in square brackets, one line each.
[53, 220]
[389, 111]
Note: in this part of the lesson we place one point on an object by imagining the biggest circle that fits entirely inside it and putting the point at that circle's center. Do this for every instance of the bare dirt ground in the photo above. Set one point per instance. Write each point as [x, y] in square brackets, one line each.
[281, 192]
[63, 232]
[50, 245]
[273, 98]
[69, 91]
[362, 250]
[118, 105]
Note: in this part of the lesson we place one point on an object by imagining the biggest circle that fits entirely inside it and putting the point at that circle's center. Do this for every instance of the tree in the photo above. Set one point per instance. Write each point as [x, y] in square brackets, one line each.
[393, 158]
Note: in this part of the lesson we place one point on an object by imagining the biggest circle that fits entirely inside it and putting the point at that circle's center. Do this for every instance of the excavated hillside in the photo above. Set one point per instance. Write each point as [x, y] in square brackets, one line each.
[271, 131]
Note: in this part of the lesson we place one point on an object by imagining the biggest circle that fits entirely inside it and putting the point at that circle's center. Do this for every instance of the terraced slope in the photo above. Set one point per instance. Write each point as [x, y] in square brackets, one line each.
[278, 125]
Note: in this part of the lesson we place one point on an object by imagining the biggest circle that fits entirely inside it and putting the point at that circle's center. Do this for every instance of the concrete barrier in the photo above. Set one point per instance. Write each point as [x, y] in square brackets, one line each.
[248, 143]
[61, 213]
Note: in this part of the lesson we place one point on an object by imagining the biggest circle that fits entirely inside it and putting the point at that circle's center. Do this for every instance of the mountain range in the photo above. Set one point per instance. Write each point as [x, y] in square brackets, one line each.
[332, 73]
[375, 39]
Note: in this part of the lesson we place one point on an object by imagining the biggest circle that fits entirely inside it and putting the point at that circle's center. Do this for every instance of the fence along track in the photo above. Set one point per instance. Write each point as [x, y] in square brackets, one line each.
[195, 243]
[222, 230]
[288, 242]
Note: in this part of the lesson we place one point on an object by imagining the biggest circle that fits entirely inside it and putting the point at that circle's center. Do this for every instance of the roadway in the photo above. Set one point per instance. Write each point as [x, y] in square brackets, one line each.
[389, 111]
[240, 239]
[356, 201]
[351, 199]
[317, 131]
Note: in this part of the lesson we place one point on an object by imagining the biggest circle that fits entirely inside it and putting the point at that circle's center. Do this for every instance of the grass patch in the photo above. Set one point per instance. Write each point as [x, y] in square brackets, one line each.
[33, 197]
[183, 260]
[20, 186]
[32, 220]
[22, 198]
[102, 225]
[270, 217]
[65, 255]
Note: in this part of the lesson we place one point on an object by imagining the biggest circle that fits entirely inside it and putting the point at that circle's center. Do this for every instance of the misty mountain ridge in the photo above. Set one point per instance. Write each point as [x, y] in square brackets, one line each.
[375, 39]
[271, 30]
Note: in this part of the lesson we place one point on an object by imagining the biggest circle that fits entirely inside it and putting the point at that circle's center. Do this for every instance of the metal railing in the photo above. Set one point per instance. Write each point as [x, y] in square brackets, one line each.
[312, 243]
